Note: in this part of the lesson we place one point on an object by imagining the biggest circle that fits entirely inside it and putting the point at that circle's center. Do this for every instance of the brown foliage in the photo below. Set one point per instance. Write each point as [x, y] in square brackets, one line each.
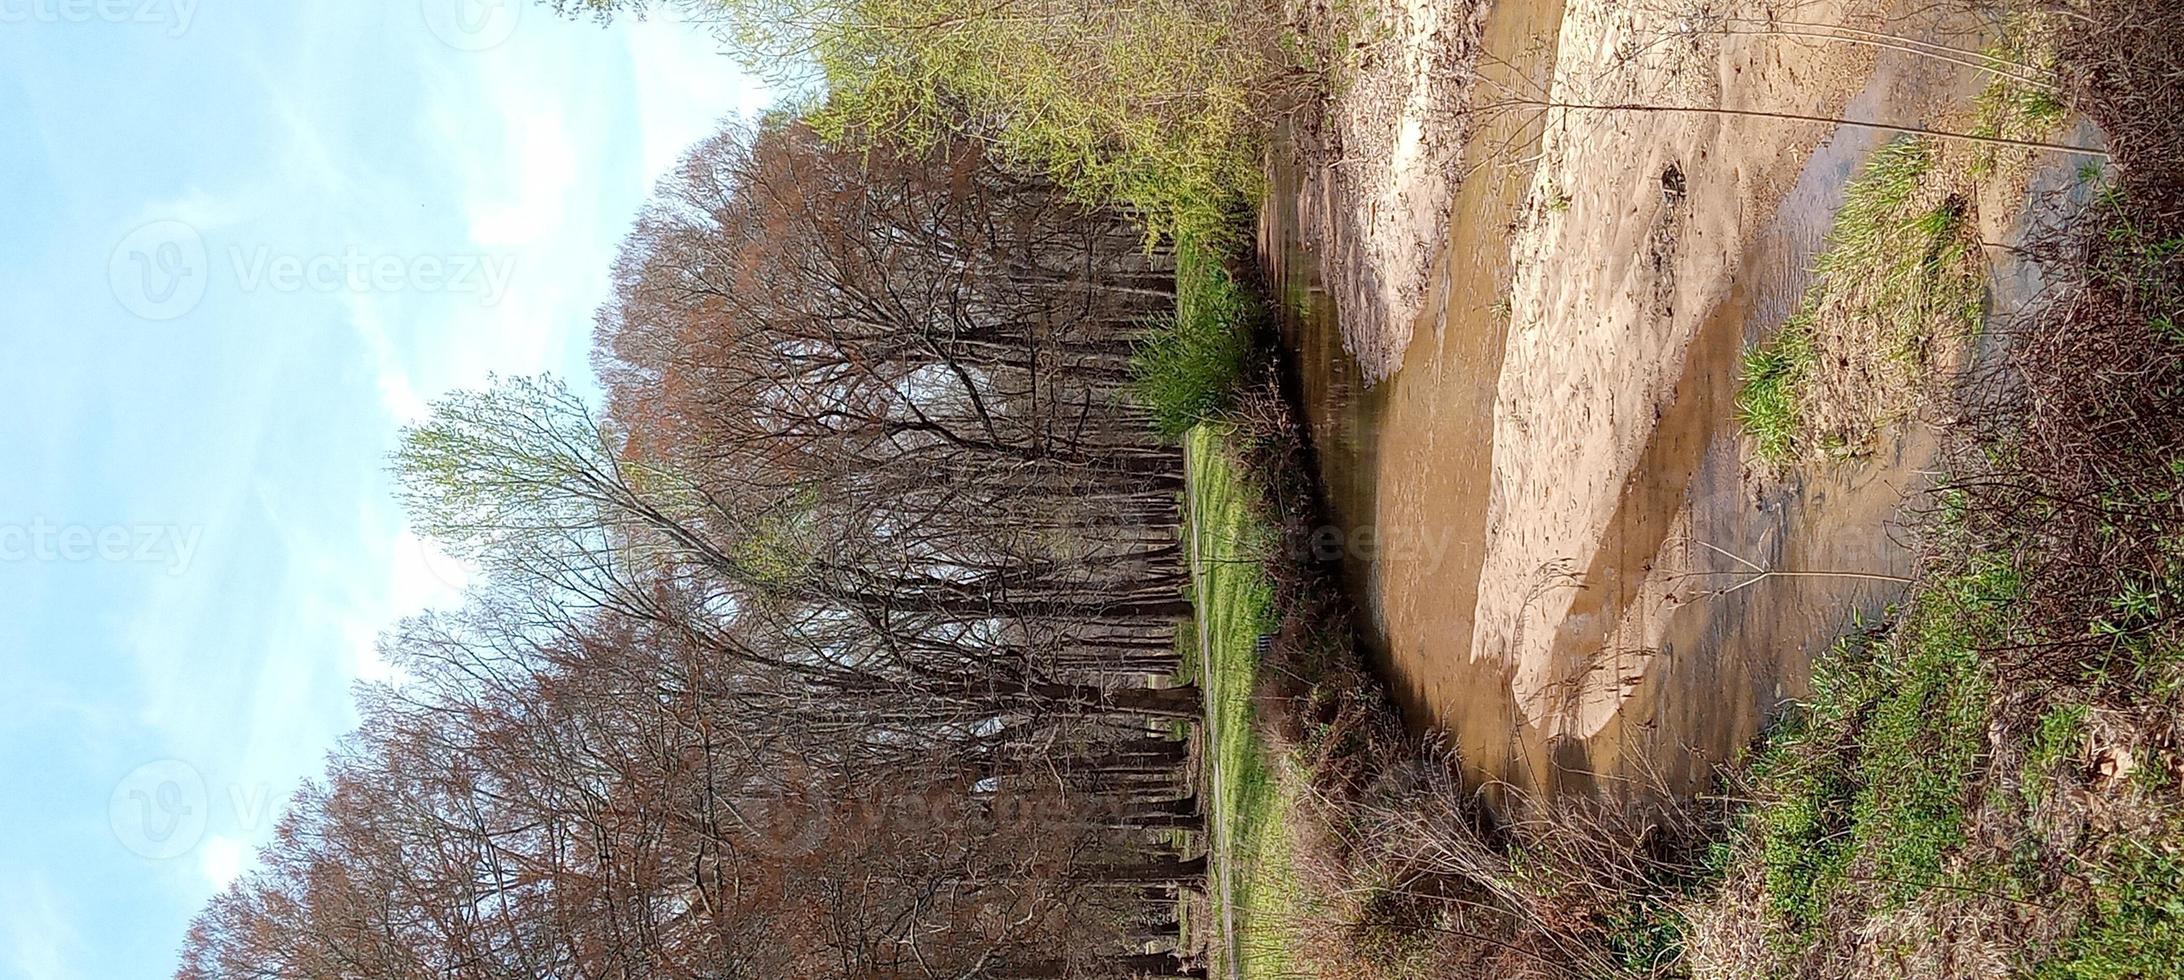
[854, 671]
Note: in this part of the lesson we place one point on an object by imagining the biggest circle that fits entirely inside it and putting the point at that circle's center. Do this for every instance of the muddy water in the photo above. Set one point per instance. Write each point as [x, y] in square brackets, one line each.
[1408, 467]
[1408, 462]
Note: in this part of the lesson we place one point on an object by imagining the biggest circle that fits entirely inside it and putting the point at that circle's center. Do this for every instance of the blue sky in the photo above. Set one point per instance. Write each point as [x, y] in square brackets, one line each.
[240, 245]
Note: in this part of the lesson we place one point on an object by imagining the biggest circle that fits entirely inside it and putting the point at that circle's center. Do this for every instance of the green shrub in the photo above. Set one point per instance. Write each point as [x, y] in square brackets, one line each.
[1872, 779]
[1766, 398]
[2136, 927]
[1155, 105]
[1187, 371]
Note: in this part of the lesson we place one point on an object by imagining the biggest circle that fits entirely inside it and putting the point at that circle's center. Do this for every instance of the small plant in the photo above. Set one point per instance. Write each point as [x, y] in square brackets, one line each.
[1766, 398]
[2060, 734]
[1901, 275]
[1187, 371]
[1645, 934]
[2136, 928]
[2015, 104]
[1805, 846]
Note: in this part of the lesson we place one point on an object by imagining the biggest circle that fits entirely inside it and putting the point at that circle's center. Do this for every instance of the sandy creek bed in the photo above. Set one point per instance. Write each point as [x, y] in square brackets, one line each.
[1545, 505]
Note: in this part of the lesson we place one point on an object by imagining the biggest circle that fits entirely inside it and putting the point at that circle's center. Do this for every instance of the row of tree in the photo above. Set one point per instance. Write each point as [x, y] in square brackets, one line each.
[834, 646]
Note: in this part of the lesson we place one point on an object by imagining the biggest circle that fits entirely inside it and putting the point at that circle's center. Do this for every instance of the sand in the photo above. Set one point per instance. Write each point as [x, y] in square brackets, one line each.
[1553, 432]
[1631, 241]
[1388, 158]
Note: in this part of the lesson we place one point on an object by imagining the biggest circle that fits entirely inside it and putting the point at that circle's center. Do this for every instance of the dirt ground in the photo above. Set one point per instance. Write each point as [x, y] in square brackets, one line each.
[1564, 570]
[1387, 150]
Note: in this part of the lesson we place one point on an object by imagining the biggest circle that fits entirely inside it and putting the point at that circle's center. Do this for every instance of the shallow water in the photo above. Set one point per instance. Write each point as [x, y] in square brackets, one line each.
[1407, 465]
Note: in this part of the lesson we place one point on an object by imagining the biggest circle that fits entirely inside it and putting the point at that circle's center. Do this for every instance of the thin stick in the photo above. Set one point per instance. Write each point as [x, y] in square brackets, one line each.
[1760, 574]
[1900, 45]
[1756, 579]
[1801, 117]
[1731, 555]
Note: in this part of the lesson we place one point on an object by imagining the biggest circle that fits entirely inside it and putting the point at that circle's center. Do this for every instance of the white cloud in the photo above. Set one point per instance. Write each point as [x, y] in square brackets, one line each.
[685, 85]
[202, 210]
[222, 859]
[526, 197]
[419, 577]
[398, 393]
[423, 575]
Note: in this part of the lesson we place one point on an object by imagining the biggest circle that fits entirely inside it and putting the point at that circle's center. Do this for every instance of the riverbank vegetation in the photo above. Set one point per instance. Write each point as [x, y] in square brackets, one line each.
[1988, 783]
[1254, 883]
[841, 640]
[1898, 292]
[1187, 370]
[1158, 107]
[1985, 783]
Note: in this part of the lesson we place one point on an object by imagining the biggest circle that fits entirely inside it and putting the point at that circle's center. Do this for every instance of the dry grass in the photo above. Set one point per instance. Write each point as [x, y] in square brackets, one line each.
[1400, 872]
[1993, 786]
[1895, 297]
[1898, 292]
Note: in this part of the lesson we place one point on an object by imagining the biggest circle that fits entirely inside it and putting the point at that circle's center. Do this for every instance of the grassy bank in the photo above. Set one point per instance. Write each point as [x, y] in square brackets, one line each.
[1190, 376]
[1895, 293]
[1898, 290]
[1296, 728]
[1989, 783]
[1255, 881]
[1342, 846]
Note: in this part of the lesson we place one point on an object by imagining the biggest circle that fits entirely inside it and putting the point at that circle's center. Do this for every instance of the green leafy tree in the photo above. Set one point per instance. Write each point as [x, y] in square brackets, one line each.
[1157, 105]
[523, 473]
